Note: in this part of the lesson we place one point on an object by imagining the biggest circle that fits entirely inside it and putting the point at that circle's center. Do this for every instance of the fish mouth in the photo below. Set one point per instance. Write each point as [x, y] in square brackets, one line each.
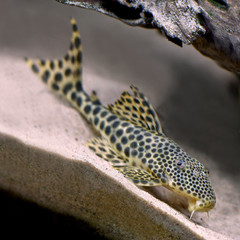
[194, 203]
[198, 205]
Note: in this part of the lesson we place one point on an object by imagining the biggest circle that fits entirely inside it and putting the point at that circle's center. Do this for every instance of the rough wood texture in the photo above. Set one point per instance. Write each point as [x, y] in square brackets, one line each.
[212, 26]
[222, 39]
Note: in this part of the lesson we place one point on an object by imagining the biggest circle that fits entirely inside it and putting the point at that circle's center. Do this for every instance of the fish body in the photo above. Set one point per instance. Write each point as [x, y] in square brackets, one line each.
[131, 136]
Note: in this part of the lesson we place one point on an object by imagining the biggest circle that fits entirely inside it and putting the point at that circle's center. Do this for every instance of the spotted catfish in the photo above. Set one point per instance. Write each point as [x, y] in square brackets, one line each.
[131, 139]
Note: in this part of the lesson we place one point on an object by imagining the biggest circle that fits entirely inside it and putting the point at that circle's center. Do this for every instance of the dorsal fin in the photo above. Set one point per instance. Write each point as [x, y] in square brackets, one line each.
[137, 110]
[64, 74]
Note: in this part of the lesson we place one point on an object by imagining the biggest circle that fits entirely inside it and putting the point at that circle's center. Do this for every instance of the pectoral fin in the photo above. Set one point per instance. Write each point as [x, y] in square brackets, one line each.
[104, 150]
[139, 176]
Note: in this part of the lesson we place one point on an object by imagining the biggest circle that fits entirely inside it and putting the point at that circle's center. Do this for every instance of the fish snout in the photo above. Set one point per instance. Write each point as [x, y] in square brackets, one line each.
[201, 205]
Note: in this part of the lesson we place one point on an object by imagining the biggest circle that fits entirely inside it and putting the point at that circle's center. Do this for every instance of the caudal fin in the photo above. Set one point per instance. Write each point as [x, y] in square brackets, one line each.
[64, 75]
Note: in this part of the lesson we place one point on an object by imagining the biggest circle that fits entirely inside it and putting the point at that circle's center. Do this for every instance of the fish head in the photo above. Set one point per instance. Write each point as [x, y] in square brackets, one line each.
[189, 178]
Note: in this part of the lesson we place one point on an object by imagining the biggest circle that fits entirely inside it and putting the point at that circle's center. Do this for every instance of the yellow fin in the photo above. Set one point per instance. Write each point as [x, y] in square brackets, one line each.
[63, 74]
[137, 109]
[103, 149]
[139, 176]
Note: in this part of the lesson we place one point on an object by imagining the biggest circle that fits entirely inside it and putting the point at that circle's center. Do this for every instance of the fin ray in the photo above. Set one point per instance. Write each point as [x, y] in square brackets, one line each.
[138, 110]
[139, 176]
[103, 149]
[62, 75]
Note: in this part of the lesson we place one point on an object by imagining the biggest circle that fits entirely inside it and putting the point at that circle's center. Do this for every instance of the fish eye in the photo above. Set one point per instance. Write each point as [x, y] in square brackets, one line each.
[181, 164]
[205, 173]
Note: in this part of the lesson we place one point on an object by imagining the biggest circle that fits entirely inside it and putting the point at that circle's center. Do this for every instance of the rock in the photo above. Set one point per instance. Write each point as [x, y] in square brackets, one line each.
[43, 159]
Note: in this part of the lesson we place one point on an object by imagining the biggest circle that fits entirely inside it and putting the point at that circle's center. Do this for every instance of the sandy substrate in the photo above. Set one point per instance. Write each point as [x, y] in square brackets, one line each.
[192, 95]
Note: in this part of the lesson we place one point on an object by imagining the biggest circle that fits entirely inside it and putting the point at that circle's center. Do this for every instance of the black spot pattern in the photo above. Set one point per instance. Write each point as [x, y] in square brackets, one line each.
[87, 109]
[134, 153]
[67, 88]
[104, 114]
[78, 86]
[129, 129]
[108, 130]
[68, 72]
[74, 27]
[55, 86]
[137, 137]
[119, 147]
[73, 59]
[133, 145]
[35, 68]
[79, 101]
[52, 65]
[115, 124]
[79, 57]
[58, 77]
[102, 125]
[60, 63]
[43, 62]
[96, 110]
[111, 118]
[119, 132]
[96, 121]
[127, 151]
[46, 76]
[73, 96]
[77, 42]
[124, 140]
[113, 139]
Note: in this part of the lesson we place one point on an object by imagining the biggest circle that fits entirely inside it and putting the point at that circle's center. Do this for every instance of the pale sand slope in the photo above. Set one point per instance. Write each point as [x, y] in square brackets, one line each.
[190, 93]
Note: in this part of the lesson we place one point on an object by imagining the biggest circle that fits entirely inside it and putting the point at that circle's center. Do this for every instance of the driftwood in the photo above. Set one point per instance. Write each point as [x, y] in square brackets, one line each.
[211, 26]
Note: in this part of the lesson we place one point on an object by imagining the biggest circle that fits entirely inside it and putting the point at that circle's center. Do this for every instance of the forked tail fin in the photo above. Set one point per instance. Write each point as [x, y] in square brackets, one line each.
[64, 75]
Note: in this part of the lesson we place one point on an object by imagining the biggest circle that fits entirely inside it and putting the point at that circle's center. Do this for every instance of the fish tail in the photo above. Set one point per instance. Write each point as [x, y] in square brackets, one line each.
[64, 76]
